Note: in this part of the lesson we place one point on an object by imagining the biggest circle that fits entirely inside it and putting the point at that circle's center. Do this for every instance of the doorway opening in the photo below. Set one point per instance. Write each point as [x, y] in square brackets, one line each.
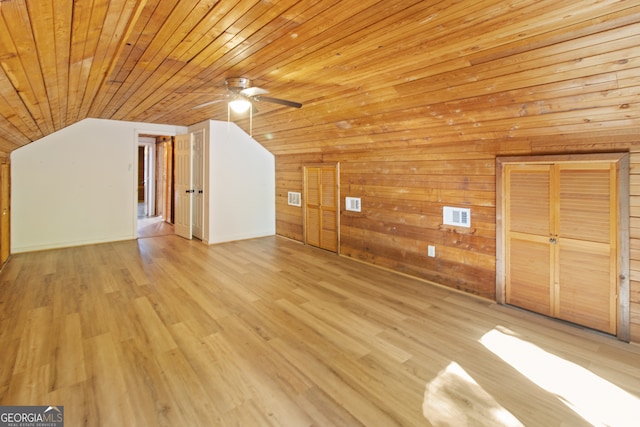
[155, 180]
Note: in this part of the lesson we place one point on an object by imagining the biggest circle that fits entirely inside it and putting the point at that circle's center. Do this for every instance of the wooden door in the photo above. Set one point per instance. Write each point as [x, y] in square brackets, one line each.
[160, 180]
[5, 212]
[586, 248]
[561, 241]
[321, 208]
[529, 272]
[183, 186]
[141, 174]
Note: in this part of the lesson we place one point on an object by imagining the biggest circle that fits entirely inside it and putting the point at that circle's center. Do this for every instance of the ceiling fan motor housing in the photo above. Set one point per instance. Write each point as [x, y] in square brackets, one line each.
[237, 84]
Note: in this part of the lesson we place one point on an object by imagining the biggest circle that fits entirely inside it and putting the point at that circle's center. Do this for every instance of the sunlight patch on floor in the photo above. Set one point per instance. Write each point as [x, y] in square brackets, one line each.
[454, 398]
[595, 399]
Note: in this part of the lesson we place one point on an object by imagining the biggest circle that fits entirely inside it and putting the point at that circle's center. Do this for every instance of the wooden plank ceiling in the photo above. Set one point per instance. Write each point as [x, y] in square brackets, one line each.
[369, 73]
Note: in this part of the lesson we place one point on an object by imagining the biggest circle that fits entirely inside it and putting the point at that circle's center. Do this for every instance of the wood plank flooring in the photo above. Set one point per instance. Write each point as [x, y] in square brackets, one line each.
[163, 331]
[153, 227]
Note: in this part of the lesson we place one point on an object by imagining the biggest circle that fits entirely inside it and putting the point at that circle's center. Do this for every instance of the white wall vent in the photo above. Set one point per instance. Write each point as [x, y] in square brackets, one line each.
[294, 199]
[352, 204]
[460, 217]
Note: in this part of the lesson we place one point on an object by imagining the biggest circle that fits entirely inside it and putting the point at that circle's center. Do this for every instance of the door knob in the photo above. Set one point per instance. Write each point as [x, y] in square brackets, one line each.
[552, 240]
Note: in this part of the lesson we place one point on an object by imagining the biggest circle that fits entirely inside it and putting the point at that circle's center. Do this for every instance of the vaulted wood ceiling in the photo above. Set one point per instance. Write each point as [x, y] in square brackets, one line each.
[369, 73]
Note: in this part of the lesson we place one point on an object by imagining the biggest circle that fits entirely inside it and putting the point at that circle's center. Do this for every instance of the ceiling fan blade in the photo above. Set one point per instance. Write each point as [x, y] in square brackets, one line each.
[253, 91]
[278, 101]
[206, 104]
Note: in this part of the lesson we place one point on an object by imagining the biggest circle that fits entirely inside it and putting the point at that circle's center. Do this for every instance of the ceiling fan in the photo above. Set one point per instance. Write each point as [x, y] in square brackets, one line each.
[241, 94]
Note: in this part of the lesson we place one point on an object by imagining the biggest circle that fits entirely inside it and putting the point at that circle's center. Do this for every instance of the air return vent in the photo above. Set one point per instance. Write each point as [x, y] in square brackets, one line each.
[294, 199]
[352, 204]
[460, 217]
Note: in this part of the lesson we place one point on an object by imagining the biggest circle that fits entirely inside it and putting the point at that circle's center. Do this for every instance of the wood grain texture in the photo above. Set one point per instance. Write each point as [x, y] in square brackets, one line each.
[367, 72]
[562, 227]
[414, 99]
[164, 331]
[403, 192]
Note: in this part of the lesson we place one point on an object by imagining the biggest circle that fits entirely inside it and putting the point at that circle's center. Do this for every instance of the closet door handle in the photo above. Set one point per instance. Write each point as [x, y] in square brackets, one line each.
[553, 240]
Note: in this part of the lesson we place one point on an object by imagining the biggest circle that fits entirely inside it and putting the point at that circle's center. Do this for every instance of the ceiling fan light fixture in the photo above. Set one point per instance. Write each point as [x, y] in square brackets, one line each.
[240, 105]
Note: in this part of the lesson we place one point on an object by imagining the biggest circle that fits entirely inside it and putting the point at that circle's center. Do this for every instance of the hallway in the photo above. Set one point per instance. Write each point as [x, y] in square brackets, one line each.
[152, 226]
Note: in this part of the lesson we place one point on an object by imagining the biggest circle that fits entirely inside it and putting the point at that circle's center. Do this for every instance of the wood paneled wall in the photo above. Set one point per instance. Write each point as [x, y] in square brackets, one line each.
[403, 192]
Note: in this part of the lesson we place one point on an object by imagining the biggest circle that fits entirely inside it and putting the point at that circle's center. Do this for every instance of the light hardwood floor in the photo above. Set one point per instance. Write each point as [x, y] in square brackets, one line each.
[154, 227]
[267, 332]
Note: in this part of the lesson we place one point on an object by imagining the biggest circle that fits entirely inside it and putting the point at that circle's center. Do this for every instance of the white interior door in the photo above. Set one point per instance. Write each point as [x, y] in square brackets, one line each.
[145, 179]
[198, 184]
[183, 186]
[149, 180]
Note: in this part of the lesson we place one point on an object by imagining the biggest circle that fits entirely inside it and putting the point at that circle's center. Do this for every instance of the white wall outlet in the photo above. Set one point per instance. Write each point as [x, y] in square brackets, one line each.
[431, 251]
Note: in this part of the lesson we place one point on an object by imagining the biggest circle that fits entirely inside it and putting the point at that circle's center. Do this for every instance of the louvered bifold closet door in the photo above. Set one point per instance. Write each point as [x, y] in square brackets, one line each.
[529, 256]
[561, 241]
[321, 224]
[329, 208]
[313, 201]
[587, 245]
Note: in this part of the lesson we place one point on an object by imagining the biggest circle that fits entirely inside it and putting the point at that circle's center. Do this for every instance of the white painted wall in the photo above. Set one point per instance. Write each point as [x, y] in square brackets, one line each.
[78, 186]
[240, 180]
